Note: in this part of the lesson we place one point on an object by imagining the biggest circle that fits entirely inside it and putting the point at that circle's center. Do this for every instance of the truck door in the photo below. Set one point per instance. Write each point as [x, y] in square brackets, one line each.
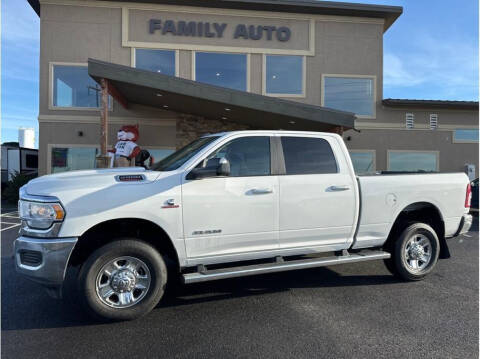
[317, 194]
[234, 214]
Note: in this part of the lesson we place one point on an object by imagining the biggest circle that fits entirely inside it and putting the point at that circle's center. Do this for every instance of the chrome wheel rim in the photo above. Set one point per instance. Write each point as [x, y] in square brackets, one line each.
[418, 252]
[123, 282]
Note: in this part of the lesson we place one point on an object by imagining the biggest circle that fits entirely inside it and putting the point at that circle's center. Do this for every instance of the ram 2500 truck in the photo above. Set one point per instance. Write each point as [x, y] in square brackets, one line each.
[229, 205]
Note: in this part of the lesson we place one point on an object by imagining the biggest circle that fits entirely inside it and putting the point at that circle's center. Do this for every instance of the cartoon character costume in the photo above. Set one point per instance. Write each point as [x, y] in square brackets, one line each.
[125, 149]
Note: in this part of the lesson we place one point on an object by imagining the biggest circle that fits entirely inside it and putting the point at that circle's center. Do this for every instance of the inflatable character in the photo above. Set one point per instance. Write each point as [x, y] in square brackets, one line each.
[125, 149]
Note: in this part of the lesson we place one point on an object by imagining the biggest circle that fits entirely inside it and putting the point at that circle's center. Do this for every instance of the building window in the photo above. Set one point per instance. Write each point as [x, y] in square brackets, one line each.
[413, 161]
[352, 94]
[221, 69]
[73, 87]
[433, 121]
[161, 61]
[308, 155]
[284, 75]
[465, 135]
[363, 161]
[72, 158]
[409, 121]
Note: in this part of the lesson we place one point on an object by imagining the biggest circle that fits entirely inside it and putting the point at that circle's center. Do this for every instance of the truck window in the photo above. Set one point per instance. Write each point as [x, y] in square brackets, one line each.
[178, 158]
[248, 156]
[308, 155]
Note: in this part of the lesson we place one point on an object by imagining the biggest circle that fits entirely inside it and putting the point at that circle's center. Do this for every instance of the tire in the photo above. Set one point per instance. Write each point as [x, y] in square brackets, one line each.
[122, 280]
[415, 252]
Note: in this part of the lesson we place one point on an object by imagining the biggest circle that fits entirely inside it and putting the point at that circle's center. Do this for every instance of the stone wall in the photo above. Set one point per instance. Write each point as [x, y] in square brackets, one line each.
[191, 127]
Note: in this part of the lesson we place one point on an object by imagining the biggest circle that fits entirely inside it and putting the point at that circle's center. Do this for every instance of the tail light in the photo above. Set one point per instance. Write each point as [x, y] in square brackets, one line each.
[468, 196]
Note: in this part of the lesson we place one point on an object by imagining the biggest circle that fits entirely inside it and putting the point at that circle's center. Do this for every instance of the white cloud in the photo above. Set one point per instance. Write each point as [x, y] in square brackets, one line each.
[449, 68]
[19, 22]
[395, 73]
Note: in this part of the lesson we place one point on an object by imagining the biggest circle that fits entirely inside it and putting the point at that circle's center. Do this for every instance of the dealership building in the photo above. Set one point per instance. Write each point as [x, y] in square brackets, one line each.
[180, 69]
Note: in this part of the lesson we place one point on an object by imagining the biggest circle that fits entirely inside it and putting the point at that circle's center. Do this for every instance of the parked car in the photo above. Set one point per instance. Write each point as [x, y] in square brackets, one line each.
[229, 205]
[474, 206]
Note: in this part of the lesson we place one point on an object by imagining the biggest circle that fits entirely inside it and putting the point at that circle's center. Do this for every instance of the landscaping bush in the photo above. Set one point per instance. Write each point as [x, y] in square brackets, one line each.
[10, 194]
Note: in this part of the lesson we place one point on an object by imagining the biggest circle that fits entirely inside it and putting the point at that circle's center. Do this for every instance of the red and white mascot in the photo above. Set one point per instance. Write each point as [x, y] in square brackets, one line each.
[125, 149]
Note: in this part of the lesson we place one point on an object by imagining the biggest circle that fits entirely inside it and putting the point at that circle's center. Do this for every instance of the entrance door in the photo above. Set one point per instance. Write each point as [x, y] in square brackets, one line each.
[234, 214]
[317, 194]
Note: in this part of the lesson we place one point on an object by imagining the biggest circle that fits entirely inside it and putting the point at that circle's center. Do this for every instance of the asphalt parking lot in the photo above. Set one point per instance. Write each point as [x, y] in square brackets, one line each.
[354, 311]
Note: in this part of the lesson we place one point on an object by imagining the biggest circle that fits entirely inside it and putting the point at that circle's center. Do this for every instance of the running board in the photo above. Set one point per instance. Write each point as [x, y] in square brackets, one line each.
[280, 266]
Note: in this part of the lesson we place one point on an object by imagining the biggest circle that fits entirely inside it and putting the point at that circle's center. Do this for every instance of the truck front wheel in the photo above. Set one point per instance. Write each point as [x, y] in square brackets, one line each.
[415, 252]
[122, 280]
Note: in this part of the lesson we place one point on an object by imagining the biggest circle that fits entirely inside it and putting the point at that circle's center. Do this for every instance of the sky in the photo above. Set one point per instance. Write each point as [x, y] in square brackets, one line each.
[430, 52]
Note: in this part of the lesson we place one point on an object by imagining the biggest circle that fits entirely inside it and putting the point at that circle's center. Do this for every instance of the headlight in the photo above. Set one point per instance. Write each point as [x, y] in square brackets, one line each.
[40, 215]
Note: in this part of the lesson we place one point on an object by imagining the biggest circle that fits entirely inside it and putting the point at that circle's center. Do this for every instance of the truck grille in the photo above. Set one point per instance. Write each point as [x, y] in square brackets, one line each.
[31, 258]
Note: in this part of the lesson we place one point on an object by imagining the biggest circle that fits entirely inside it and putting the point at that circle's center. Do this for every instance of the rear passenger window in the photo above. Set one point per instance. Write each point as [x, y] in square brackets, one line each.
[308, 155]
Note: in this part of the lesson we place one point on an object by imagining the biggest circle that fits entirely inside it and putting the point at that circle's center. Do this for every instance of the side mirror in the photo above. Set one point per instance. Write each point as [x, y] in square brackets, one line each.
[223, 168]
[215, 167]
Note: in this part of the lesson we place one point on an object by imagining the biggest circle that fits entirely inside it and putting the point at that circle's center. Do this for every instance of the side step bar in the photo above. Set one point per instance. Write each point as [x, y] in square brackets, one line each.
[281, 266]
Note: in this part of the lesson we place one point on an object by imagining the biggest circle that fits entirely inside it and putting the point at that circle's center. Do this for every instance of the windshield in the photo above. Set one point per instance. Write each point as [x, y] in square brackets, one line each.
[176, 159]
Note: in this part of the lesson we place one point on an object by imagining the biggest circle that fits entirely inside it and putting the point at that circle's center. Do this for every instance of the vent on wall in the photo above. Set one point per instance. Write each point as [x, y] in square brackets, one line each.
[433, 121]
[409, 120]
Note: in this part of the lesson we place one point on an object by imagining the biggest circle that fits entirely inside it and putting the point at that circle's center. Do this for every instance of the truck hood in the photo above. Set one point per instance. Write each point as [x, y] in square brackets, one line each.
[85, 181]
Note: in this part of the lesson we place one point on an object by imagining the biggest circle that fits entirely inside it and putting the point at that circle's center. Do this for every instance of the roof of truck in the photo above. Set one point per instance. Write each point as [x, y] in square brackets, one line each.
[270, 132]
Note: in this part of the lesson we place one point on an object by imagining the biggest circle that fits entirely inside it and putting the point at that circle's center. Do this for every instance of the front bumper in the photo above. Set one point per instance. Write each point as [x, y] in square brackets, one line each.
[43, 260]
[465, 224]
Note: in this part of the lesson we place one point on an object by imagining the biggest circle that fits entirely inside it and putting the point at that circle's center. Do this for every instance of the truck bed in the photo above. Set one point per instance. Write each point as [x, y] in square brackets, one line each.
[384, 196]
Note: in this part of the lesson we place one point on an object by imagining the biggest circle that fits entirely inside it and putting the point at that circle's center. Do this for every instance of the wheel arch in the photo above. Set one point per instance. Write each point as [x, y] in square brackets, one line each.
[424, 212]
[109, 230]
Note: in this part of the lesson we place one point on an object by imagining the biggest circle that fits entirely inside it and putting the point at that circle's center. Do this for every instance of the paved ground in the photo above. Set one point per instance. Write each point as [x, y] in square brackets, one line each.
[355, 311]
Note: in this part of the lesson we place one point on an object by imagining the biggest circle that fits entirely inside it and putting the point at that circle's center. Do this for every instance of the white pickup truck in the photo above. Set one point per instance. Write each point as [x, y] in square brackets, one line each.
[228, 205]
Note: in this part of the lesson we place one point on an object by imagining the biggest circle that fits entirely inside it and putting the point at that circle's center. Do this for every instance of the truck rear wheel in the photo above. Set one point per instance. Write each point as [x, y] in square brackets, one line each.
[415, 252]
[122, 280]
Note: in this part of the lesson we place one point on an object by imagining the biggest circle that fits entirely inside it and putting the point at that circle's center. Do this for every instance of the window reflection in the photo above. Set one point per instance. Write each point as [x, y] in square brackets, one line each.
[350, 94]
[363, 162]
[412, 161]
[284, 74]
[159, 154]
[73, 158]
[160, 61]
[466, 135]
[73, 87]
[248, 156]
[221, 69]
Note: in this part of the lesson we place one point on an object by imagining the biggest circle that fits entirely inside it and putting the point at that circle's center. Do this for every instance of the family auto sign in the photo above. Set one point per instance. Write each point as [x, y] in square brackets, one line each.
[207, 29]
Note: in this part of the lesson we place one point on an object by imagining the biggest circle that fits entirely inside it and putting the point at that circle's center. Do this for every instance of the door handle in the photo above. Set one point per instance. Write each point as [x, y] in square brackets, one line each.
[261, 190]
[339, 188]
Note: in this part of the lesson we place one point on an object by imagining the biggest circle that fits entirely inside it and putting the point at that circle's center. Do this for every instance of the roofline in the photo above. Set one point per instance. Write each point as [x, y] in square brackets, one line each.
[440, 104]
[388, 13]
[35, 4]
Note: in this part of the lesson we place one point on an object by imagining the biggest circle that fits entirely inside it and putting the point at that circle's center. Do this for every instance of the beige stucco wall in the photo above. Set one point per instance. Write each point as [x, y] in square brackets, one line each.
[388, 132]
[446, 117]
[452, 156]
